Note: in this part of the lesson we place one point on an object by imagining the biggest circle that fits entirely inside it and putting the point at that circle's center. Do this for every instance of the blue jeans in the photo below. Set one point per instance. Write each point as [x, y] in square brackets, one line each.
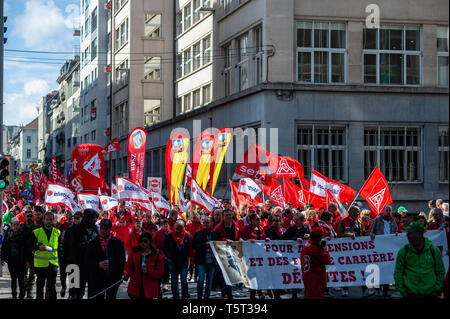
[182, 272]
[206, 270]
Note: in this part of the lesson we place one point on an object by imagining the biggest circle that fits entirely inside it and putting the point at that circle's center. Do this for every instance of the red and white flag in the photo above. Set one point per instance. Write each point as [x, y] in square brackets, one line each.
[188, 174]
[284, 166]
[201, 198]
[182, 203]
[277, 194]
[332, 198]
[114, 191]
[248, 187]
[129, 191]
[53, 171]
[59, 195]
[136, 154]
[88, 200]
[160, 202]
[319, 183]
[108, 203]
[114, 146]
[376, 191]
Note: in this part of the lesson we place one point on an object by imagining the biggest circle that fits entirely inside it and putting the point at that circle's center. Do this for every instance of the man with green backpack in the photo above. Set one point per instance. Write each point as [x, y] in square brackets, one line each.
[419, 270]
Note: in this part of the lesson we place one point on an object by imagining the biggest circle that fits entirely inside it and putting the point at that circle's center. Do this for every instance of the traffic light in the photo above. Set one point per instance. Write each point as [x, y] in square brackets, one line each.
[5, 173]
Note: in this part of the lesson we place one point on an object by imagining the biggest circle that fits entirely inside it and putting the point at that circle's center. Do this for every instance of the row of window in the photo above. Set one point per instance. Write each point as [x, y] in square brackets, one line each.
[190, 14]
[392, 55]
[397, 151]
[90, 23]
[89, 54]
[194, 57]
[194, 99]
[89, 112]
[90, 79]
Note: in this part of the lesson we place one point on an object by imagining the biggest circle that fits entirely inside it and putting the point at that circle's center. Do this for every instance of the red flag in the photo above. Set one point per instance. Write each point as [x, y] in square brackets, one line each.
[276, 194]
[331, 198]
[53, 171]
[294, 194]
[136, 154]
[320, 183]
[239, 199]
[283, 166]
[376, 191]
[188, 174]
[114, 146]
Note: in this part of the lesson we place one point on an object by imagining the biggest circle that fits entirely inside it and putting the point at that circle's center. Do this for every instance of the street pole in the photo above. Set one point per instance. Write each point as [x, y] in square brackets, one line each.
[1, 111]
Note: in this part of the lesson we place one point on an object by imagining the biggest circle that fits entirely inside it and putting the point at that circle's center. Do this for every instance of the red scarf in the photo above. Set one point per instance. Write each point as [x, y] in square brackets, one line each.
[104, 242]
[278, 231]
[179, 238]
[387, 218]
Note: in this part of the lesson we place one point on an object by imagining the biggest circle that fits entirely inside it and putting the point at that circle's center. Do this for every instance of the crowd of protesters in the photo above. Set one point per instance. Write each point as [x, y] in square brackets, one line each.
[152, 251]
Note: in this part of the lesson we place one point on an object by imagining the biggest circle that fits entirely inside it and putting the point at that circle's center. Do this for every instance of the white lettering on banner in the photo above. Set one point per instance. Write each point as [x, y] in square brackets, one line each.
[252, 173]
[276, 264]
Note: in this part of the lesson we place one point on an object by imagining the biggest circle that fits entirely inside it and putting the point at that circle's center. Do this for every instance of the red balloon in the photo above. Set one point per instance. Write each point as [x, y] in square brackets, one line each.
[94, 177]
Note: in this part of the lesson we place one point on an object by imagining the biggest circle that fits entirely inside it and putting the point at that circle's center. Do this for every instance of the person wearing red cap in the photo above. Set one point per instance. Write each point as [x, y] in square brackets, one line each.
[314, 257]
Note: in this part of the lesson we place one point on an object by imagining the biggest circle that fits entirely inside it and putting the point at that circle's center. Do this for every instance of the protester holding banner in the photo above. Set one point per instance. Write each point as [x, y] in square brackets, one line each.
[419, 270]
[204, 258]
[275, 231]
[326, 224]
[298, 231]
[177, 248]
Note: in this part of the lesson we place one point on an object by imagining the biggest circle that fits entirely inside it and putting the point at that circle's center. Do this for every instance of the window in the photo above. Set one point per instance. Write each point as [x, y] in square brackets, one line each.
[179, 66]
[206, 42]
[29, 139]
[197, 4]
[152, 25]
[323, 148]
[122, 34]
[152, 68]
[196, 98]
[187, 16]
[93, 110]
[243, 63]
[444, 162]
[86, 56]
[121, 74]
[259, 53]
[94, 49]
[122, 119]
[227, 71]
[197, 53]
[151, 107]
[226, 6]
[86, 138]
[187, 106]
[392, 55]
[86, 26]
[179, 18]
[395, 150]
[93, 134]
[442, 49]
[94, 20]
[119, 4]
[179, 105]
[206, 94]
[187, 62]
[68, 142]
[28, 153]
[321, 52]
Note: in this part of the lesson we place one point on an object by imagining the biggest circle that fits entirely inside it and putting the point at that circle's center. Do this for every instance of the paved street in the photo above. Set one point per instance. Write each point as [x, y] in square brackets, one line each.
[354, 292]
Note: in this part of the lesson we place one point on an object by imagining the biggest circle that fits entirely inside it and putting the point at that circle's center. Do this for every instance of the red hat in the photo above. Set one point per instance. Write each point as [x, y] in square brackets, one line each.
[316, 232]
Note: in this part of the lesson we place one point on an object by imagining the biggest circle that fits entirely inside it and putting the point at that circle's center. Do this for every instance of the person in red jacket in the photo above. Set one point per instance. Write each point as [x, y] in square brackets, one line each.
[121, 221]
[158, 240]
[144, 268]
[288, 218]
[244, 222]
[314, 257]
[173, 217]
[438, 222]
[192, 227]
[148, 226]
[216, 217]
[132, 239]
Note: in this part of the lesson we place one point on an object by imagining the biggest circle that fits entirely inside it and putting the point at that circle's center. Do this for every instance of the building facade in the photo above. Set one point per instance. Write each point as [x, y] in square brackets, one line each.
[24, 146]
[338, 96]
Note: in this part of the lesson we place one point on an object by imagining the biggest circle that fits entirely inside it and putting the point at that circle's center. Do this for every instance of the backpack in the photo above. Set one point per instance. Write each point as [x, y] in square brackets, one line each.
[432, 254]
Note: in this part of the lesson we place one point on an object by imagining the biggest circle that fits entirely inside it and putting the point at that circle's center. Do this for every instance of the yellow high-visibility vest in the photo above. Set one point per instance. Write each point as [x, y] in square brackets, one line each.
[43, 258]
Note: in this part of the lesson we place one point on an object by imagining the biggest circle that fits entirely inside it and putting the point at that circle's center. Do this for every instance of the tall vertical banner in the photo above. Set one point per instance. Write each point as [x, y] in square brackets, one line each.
[220, 146]
[136, 154]
[177, 155]
[201, 163]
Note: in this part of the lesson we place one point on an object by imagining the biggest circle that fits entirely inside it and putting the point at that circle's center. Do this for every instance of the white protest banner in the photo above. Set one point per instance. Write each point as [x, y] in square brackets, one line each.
[276, 264]
[200, 198]
[129, 191]
[59, 195]
[108, 203]
[154, 184]
[86, 200]
[160, 202]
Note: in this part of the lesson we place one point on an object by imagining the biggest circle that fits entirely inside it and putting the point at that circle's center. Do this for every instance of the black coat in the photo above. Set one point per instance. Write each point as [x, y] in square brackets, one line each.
[14, 248]
[199, 244]
[75, 243]
[170, 248]
[292, 233]
[115, 253]
[270, 233]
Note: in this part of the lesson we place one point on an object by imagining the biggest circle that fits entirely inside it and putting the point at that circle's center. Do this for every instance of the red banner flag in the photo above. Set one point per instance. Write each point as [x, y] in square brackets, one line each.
[277, 194]
[176, 158]
[294, 194]
[53, 175]
[201, 163]
[114, 146]
[319, 183]
[284, 166]
[376, 191]
[136, 154]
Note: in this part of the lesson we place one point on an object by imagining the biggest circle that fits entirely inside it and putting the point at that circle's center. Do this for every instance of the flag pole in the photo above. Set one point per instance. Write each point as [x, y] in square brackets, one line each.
[357, 194]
